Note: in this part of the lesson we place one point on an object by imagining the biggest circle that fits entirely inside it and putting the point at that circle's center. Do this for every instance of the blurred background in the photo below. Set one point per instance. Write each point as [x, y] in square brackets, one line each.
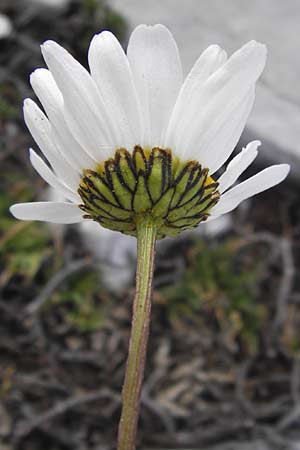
[223, 369]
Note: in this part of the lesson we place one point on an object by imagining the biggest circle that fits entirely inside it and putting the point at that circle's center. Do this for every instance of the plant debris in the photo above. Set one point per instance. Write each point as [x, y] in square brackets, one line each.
[224, 351]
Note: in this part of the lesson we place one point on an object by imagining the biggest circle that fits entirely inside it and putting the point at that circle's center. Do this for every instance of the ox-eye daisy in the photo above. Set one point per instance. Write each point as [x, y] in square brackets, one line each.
[132, 136]
[135, 147]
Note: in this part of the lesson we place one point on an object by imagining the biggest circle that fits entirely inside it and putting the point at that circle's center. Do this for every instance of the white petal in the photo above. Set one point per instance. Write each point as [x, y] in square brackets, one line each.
[238, 165]
[263, 180]
[157, 72]
[208, 62]
[46, 173]
[213, 103]
[85, 112]
[41, 130]
[111, 71]
[55, 212]
[51, 98]
[218, 147]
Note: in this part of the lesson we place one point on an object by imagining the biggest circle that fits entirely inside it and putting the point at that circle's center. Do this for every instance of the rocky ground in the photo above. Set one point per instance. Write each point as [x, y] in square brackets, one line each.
[223, 370]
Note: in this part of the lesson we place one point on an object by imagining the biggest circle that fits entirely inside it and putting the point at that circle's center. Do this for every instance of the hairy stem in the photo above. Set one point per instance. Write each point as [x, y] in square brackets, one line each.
[131, 394]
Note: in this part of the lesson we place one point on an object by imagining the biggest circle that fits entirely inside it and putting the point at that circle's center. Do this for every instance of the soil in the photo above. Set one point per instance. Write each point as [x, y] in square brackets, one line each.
[223, 366]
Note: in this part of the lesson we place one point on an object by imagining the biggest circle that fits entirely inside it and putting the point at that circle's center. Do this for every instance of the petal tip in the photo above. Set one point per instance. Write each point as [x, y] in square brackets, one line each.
[257, 44]
[285, 170]
[34, 76]
[253, 145]
[51, 49]
[105, 40]
[152, 28]
[14, 211]
[40, 71]
[104, 34]
[256, 49]
[27, 103]
[48, 44]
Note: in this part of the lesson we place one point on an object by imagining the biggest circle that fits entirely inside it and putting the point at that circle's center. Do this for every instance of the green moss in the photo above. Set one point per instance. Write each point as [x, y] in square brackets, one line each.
[9, 102]
[216, 284]
[24, 245]
[84, 309]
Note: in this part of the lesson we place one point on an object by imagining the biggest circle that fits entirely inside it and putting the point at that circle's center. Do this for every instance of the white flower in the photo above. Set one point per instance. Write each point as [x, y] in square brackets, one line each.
[141, 99]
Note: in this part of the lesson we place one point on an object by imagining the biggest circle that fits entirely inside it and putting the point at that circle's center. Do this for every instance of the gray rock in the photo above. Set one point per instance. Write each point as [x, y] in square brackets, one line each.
[275, 118]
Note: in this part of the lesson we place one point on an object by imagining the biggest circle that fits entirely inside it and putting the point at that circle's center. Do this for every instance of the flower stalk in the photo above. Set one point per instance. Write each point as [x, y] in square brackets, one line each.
[131, 394]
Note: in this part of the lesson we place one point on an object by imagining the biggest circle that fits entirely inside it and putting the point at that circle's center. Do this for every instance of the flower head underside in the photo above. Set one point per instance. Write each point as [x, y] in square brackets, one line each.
[132, 137]
[175, 195]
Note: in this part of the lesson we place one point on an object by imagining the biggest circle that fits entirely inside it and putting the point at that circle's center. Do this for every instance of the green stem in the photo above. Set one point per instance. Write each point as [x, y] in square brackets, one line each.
[131, 394]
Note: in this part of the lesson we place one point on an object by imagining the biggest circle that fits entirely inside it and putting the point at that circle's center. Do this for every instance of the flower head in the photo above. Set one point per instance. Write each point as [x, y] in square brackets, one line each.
[132, 137]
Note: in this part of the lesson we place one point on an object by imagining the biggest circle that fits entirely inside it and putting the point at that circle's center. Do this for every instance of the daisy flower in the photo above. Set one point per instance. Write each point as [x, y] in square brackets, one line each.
[135, 147]
[132, 137]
